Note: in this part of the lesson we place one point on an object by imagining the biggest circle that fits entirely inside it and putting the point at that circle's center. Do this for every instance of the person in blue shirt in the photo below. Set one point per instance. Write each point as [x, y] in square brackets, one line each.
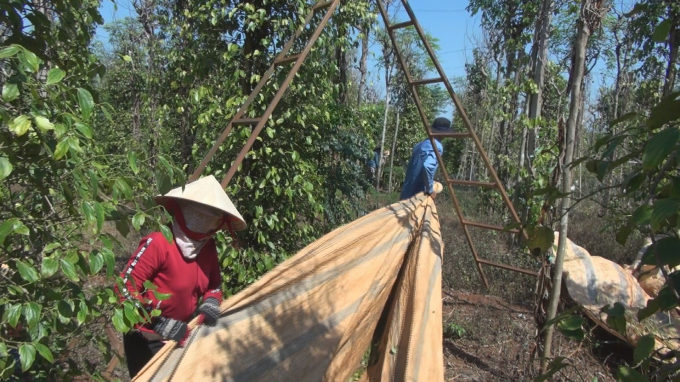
[423, 163]
[373, 163]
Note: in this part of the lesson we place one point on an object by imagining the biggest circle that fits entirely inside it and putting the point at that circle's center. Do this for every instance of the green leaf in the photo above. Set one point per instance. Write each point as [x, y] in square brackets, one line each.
[20, 125]
[132, 160]
[663, 209]
[667, 110]
[110, 260]
[107, 114]
[668, 250]
[43, 124]
[127, 58]
[661, 31]
[69, 270]
[123, 187]
[82, 313]
[624, 118]
[623, 233]
[74, 144]
[9, 51]
[616, 317]
[638, 8]
[161, 296]
[167, 233]
[29, 60]
[633, 182]
[84, 129]
[540, 239]
[148, 285]
[27, 271]
[49, 266]
[86, 102]
[27, 356]
[553, 368]
[7, 227]
[576, 335]
[131, 313]
[573, 322]
[62, 149]
[163, 183]
[65, 309]
[51, 247]
[21, 229]
[644, 348]
[10, 92]
[5, 168]
[96, 262]
[44, 351]
[641, 215]
[32, 313]
[99, 215]
[119, 321]
[659, 147]
[55, 75]
[627, 374]
[138, 220]
[649, 310]
[3, 349]
[13, 315]
[88, 211]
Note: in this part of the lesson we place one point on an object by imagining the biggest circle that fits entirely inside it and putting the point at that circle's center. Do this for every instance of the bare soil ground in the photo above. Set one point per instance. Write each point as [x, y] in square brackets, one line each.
[493, 341]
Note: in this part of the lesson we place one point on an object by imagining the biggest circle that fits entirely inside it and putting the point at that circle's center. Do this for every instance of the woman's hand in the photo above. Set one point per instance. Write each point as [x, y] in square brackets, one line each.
[210, 310]
[170, 329]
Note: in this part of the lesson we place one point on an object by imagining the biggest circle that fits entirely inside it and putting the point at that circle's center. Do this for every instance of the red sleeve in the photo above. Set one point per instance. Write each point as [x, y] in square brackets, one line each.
[215, 283]
[144, 263]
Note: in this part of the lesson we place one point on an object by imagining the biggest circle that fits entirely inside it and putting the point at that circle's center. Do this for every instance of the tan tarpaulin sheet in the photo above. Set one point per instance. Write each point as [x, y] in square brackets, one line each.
[313, 317]
[594, 282]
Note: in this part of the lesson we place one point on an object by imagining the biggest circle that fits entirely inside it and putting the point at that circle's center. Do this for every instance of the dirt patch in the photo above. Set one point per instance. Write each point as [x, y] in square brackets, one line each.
[489, 339]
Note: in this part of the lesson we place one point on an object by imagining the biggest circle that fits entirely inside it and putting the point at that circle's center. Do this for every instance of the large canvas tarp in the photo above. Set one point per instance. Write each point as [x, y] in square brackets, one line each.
[373, 284]
[595, 282]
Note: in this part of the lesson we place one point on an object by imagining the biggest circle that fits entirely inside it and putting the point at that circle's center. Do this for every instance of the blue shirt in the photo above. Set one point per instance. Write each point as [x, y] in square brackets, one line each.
[375, 160]
[421, 169]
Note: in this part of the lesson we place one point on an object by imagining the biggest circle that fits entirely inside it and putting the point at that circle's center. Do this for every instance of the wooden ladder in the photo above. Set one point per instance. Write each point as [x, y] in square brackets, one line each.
[283, 59]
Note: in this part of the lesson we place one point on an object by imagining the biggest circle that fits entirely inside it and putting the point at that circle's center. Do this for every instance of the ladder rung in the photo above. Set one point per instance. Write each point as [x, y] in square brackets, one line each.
[245, 121]
[287, 60]
[320, 6]
[508, 267]
[428, 81]
[451, 135]
[473, 183]
[400, 25]
[487, 226]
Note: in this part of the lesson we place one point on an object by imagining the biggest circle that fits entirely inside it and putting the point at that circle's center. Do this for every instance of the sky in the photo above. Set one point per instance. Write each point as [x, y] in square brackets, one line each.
[446, 20]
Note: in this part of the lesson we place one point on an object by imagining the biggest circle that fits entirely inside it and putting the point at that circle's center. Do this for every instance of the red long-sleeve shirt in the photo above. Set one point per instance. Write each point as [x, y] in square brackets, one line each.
[186, 280]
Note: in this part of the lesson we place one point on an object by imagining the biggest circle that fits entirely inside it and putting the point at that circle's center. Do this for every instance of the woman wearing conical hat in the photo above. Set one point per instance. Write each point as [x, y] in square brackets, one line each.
[187, 268]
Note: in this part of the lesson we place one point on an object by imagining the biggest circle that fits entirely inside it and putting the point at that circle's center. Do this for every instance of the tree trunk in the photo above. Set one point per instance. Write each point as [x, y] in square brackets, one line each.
[378, 173]
[673, 40]
[341, 59]
[620, 67]
[393, 152]
[541, 45]
[594, 15]
[363, 67]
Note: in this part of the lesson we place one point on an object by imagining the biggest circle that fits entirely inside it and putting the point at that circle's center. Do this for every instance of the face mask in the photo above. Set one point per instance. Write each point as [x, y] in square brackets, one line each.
[193, 226]
[190, 248]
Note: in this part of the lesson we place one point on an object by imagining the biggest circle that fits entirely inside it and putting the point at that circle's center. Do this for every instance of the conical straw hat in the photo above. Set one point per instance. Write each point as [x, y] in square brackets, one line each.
[207, 192]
